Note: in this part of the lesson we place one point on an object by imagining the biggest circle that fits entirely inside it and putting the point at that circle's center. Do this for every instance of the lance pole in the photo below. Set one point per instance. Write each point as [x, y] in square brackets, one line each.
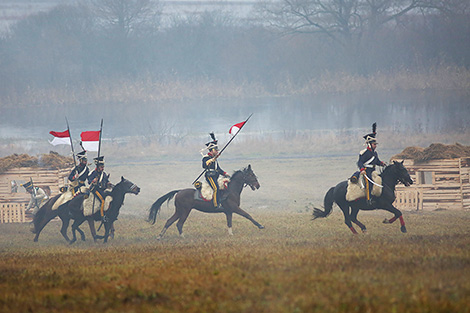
[226, 145]
[71, 143]
[99, 150]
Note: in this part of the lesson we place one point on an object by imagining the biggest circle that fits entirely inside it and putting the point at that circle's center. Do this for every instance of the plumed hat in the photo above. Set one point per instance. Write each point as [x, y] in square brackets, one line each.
[212, 144]
[99, 160]
[370, 138]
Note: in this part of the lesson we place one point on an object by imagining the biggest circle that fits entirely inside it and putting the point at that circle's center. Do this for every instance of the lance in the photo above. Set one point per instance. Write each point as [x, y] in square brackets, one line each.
[71, 144]
[226, 145]
[99, 150]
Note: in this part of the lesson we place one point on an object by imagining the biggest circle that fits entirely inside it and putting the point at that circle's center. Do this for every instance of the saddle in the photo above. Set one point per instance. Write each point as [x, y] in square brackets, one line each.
[357, 190]
[66, 196]
[204, 191]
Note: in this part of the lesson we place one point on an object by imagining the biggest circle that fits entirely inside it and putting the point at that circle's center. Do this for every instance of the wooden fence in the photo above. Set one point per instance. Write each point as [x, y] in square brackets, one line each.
[12, 212]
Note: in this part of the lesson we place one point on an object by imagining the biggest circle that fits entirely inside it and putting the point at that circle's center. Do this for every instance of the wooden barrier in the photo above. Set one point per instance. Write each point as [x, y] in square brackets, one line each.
[12, 212]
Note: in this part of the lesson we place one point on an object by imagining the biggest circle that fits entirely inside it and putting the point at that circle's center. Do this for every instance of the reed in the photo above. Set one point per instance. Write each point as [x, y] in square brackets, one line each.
[160, 92]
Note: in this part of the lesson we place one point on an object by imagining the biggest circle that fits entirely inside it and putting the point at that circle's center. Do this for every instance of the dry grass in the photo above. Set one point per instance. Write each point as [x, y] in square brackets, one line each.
[294, 265]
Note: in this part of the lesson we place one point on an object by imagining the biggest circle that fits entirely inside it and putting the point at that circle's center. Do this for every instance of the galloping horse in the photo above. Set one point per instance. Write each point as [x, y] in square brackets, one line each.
[73, 210]
[75, 207]
[391, 176]
[185, 201]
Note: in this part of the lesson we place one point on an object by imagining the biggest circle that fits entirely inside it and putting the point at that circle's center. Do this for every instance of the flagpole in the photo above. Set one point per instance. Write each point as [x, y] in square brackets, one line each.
[99, 143]
[71, 144]
[226, 145]
[99, 150]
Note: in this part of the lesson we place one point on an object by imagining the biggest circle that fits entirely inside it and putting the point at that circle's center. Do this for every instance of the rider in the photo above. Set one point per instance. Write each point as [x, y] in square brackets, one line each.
[368, 159]
[79, 174]
[99, 182]
[38, 196]
[213, 170]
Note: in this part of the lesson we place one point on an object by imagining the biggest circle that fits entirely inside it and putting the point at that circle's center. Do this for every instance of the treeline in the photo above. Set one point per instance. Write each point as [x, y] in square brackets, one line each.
[99, 41]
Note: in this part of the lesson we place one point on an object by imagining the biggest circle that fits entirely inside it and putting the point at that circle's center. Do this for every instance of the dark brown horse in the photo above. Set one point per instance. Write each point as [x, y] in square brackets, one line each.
[185, 201]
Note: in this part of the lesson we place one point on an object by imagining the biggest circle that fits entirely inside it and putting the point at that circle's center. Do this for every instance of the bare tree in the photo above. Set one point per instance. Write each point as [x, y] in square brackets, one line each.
[126, 16]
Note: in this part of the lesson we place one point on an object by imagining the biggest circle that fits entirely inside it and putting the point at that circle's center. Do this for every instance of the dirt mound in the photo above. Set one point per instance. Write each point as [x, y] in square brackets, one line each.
[434, 151]
[53, 160]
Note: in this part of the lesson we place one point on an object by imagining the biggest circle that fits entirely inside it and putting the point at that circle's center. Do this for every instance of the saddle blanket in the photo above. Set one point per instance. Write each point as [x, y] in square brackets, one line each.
[90, 209]
[206, 193]
[66, 197]
[356, 191]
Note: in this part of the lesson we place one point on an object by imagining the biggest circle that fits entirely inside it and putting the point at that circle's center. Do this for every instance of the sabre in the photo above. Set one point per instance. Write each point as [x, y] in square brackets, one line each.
[373, 182]
[226, 145]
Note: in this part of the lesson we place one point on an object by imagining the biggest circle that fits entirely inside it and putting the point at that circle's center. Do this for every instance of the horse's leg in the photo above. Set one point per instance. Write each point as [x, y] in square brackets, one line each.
[354, 212]
[65, 225]
[229, 216]
[241, 212]
[347, 217]
[397, 215]
[75, 225]
[111, 231]
[168, 223]
[91, 222]
[82, 234]
[183, 216]
[48, 217]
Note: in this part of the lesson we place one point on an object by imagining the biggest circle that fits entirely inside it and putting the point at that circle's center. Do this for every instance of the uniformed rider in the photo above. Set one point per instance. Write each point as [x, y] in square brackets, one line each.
[368, 159]
[213, 170]
[79, 174]
[38, 197]
[99, 182]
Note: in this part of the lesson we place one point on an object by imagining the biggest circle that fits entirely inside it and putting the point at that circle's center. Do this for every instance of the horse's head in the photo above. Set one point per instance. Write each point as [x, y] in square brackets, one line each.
[401, 173]
[250, 178]
[127, 186]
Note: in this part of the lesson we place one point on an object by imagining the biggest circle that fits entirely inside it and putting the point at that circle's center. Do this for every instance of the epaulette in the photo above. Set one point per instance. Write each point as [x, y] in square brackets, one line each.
[363, 151]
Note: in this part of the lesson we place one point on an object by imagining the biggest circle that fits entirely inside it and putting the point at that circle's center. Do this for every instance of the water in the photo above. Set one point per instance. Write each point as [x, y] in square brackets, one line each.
[411, 112]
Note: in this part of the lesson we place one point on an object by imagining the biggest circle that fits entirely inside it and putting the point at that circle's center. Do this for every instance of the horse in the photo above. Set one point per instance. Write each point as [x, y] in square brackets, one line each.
[73, 210]
[392, 175]
[185, 201]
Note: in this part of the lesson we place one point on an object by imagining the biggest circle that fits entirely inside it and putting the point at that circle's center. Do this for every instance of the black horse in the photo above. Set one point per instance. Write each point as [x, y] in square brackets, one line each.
[185, 201]
[391, 176]
[74, 210]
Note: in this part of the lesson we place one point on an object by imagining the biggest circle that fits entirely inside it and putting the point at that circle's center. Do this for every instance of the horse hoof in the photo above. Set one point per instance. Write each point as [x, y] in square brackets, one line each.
[261, 227]
[403, 229]
[386, 221]
[364, 231]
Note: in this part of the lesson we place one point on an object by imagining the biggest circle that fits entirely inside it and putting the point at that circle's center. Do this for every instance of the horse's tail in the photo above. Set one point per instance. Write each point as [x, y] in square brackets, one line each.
[45, 211]
[156, 206]
[327, 203]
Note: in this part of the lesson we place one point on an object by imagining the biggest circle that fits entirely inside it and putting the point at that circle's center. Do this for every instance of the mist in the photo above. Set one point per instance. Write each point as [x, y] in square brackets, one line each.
[170, 72]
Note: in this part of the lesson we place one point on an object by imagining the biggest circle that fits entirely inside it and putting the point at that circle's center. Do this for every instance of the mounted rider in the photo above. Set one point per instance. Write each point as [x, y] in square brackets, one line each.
[38, 197]
[213, 170]
[368, 159]
[79, 174]
[99, 182]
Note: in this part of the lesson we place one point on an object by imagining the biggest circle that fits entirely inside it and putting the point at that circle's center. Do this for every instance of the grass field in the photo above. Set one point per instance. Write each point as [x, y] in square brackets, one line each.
[293, 265]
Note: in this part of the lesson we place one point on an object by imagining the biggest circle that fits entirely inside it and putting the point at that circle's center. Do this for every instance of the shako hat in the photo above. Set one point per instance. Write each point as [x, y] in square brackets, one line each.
[212, 144]
[370, 138]
[99, 160]
[27, 185]
[81, 155]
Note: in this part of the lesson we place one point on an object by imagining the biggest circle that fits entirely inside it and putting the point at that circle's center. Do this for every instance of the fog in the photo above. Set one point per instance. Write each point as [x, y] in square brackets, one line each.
[172, 71]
